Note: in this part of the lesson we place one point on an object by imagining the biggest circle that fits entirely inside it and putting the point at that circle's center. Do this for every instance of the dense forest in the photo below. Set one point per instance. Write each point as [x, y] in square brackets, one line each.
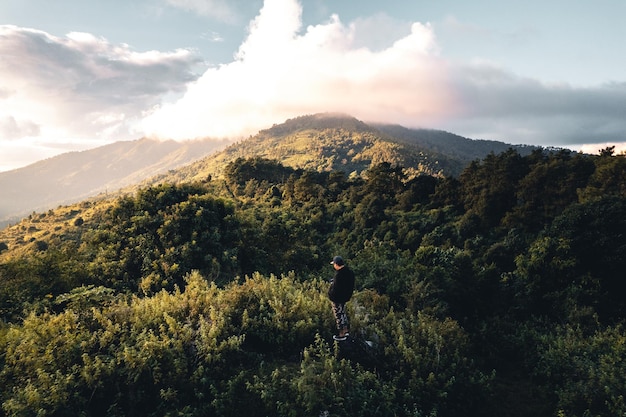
[497, 292]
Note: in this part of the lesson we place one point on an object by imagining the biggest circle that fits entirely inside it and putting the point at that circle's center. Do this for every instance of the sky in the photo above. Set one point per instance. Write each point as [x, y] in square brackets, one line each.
[77, 74]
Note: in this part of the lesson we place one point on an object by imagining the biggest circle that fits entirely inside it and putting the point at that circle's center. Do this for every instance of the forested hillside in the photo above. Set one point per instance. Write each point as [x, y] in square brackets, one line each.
[322, 142]
[498, 292]
[327, 142]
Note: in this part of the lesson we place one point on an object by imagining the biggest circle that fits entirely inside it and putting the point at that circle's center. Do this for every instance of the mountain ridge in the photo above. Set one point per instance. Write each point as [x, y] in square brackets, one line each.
[322, 142]
[335, 141]
[73, 176]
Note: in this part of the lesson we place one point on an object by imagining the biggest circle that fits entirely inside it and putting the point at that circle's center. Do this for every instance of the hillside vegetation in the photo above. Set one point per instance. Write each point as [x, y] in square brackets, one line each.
[495, 293]
[335, 142]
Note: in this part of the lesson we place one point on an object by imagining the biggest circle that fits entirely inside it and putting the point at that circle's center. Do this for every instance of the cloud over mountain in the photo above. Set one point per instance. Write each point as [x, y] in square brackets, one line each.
[79, 90]
[283, 70]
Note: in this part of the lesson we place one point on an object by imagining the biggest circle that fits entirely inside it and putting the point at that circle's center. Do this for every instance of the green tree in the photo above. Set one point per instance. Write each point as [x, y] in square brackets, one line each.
[489, 186]
[609, 177]
[549, 188]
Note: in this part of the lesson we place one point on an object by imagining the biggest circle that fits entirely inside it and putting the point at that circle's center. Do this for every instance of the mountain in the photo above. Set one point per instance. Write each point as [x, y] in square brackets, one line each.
[331, 141]
[322, 142]
[75, 176]
[449, 144]
[499, 293]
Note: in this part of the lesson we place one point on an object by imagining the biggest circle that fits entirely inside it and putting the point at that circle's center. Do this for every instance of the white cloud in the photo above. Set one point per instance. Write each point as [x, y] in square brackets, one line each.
[14, 129]
[81, 86]
[220, 9]
[377, 32]
[212, 36]
[281, 71]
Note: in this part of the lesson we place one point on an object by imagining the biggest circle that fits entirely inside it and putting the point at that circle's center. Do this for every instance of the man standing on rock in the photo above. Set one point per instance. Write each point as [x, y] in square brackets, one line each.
[340, 292]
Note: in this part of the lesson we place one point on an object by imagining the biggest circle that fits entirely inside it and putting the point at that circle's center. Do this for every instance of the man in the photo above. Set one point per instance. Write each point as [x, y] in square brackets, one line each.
[340, 292]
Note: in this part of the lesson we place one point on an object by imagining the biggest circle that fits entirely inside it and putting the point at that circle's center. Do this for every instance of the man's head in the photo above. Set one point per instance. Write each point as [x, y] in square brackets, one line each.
[337, 262]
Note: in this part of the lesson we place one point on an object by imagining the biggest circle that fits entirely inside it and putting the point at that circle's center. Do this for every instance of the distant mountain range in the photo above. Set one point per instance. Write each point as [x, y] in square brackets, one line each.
[320, 142]
[74, 176]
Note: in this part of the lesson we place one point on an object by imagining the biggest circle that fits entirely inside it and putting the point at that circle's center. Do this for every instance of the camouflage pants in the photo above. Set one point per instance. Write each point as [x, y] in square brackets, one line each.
[341, 317]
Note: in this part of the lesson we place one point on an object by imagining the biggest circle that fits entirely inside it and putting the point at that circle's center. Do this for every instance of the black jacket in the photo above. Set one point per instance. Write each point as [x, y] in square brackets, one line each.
[342, 285]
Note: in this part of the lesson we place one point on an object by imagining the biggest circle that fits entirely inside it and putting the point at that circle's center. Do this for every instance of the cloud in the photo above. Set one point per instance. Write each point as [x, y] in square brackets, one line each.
[281, 71]
[80, 85]
[13, 129]
[212, 36]
[377, 32]
[223, 10]
[498, 104]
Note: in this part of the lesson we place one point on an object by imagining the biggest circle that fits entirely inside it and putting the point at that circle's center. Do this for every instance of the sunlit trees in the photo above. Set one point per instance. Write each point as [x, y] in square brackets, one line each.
[495, 293]
[229, 351]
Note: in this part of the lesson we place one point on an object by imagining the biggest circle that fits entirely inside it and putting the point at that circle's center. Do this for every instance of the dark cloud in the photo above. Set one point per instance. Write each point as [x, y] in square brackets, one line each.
[497, 104]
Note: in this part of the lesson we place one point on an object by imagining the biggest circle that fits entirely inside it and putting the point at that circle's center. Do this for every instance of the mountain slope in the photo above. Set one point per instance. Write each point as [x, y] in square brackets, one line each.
[321, 142]
[330, 141]
[77, 175]
[449, 144]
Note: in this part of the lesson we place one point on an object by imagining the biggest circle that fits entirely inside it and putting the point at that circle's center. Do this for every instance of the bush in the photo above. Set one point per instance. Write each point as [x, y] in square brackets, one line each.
[255, 348]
